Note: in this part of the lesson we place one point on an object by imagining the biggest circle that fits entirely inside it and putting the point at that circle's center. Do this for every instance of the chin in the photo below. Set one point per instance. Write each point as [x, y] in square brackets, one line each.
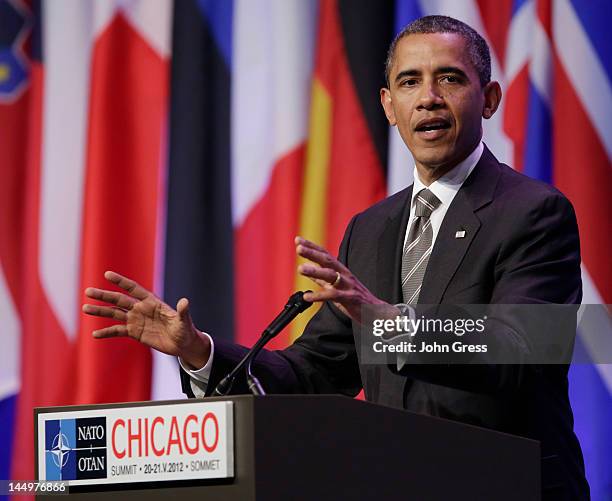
[433, 161]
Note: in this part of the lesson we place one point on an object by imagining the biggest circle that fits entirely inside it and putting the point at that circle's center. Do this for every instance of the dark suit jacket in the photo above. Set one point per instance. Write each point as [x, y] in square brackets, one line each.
[521, 246]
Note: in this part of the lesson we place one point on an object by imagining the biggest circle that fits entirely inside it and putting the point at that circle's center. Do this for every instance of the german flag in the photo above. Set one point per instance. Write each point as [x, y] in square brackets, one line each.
[348, 130]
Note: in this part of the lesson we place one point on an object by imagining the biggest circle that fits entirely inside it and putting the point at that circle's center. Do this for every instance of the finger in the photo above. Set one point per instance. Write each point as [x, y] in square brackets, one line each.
[119, 330]
[116, 298]
[304, 248]
[182, 307]
[320, 283]
[322, 258]
[330, 294]
[324, 275]
[105, 311]
[133, 288]
[309, 244]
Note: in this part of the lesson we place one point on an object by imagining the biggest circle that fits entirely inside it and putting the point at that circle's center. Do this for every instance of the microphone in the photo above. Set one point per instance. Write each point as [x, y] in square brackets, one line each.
[295, 305]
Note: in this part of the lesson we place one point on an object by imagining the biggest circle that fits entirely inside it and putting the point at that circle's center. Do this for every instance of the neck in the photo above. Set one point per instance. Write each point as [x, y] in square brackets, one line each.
[428, 174]
[431, 173]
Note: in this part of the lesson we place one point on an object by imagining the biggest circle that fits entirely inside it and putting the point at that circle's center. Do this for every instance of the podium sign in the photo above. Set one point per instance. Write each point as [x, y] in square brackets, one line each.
[152, 443]
[298, 447]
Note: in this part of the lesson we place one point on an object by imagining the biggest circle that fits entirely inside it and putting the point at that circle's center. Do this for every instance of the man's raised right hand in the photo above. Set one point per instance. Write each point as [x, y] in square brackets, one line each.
[149, 320]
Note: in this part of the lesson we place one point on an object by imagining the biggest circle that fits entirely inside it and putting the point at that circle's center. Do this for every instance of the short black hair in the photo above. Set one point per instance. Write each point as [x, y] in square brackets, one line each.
[477, 47]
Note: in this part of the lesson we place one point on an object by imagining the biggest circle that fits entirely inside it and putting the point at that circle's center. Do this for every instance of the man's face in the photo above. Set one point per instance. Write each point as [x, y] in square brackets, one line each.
[436, 100]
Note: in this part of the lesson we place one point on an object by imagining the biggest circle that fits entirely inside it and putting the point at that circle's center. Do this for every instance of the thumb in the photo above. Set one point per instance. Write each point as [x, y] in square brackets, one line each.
[182, 307]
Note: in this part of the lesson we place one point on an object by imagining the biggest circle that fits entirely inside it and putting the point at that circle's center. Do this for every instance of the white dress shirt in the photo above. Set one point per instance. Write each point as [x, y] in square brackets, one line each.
[444, 188]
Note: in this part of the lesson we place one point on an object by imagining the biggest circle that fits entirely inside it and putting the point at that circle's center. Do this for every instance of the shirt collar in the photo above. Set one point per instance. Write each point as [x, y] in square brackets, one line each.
[449, 184]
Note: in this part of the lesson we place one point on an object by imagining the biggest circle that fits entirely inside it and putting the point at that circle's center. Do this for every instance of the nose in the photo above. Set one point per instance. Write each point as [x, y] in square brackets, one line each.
[430, 97]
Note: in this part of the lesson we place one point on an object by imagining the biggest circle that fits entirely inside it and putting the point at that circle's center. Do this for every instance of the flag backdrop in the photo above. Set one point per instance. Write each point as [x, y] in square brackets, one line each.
[186, 143]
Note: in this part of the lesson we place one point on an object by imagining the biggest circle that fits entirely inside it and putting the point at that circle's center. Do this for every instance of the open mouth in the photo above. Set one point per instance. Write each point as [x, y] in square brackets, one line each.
[432, 125]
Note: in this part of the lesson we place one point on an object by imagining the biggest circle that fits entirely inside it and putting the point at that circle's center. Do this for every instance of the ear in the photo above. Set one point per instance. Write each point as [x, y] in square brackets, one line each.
[387, 104]
[493, 96]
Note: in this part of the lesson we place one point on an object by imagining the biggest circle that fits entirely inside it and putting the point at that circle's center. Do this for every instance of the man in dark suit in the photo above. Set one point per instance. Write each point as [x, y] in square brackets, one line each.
[469, 231]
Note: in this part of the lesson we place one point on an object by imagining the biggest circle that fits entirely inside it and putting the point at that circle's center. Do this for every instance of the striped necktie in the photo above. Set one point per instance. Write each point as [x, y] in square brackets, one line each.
[418, 246]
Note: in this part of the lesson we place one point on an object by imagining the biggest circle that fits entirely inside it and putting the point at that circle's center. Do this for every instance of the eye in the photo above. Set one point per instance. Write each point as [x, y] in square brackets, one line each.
[409, 82]
[450, 79]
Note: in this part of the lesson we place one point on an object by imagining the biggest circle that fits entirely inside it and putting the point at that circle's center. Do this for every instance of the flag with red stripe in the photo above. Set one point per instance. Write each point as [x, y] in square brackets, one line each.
[85, 194]
[348, 134]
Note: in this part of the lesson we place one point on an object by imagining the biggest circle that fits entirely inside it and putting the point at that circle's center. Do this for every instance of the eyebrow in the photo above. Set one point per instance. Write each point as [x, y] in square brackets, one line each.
[444, 69]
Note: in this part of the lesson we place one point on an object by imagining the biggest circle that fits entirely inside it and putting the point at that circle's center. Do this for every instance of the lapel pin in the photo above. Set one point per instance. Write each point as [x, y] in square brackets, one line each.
[460, 234]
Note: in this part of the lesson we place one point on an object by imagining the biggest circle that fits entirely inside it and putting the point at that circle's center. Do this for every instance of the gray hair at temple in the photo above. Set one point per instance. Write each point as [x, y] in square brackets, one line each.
[477, 47]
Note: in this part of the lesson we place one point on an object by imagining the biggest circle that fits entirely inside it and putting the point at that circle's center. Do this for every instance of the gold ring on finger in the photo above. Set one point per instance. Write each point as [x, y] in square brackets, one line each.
[337, 281]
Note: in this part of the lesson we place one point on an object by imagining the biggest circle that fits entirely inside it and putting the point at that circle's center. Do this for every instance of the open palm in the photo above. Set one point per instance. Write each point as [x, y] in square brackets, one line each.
[142, 316]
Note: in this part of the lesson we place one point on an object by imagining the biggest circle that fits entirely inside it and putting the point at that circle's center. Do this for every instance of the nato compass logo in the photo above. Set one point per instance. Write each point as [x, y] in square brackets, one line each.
[75, 449]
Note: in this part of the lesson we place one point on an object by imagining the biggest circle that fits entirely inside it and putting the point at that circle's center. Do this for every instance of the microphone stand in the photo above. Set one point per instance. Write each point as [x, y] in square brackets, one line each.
[225, 386]
[252, 382]
[293, 308]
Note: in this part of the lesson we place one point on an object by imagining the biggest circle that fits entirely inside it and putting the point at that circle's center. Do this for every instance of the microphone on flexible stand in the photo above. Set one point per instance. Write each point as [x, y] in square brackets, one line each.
[295, 305]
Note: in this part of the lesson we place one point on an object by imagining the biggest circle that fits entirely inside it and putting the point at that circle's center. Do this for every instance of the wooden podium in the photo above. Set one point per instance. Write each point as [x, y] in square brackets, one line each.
[323, 447]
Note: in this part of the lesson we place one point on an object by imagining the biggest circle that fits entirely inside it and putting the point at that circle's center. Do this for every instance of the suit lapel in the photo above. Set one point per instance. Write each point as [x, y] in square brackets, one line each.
[389, 251]
[459, 228]
[448, 251]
